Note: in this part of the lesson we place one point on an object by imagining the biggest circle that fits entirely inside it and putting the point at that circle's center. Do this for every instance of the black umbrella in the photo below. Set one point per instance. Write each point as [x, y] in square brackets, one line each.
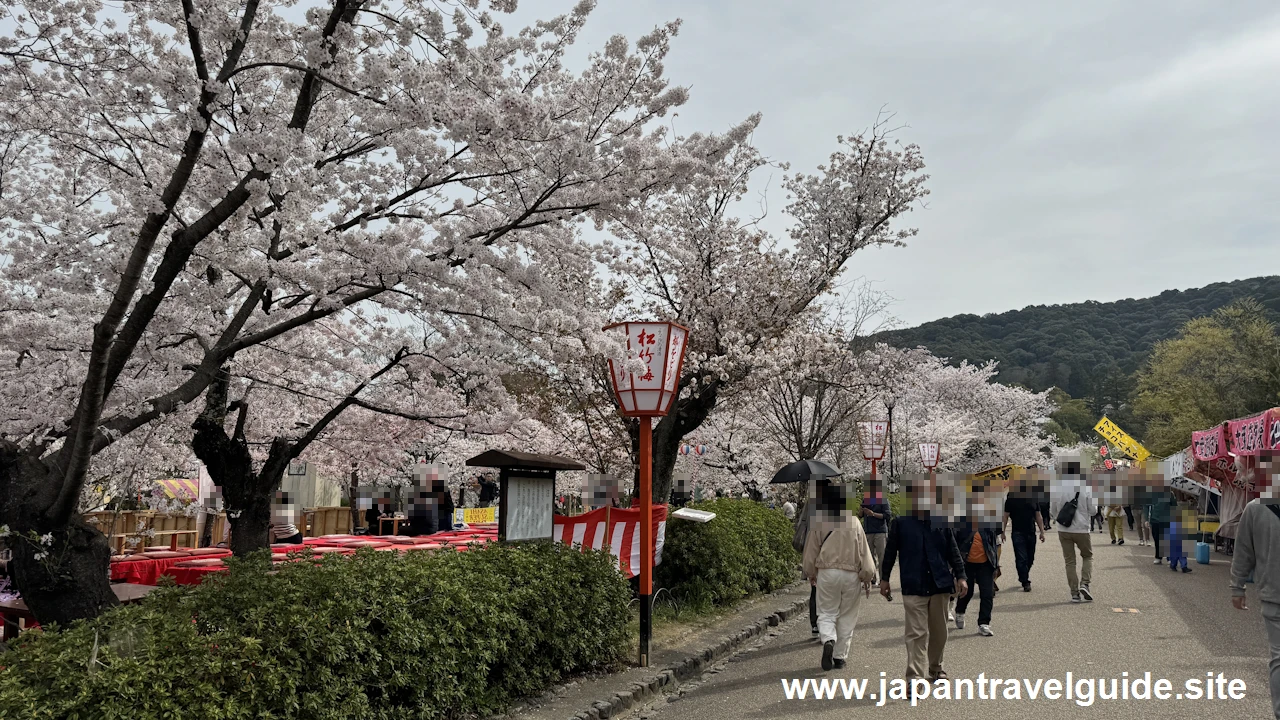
[803, 471]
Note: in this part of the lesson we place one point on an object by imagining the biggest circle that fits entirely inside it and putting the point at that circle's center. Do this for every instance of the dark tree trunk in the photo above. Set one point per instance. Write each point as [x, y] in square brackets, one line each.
[687, 414]
[71, 582]
[246, 495]
[249, 527]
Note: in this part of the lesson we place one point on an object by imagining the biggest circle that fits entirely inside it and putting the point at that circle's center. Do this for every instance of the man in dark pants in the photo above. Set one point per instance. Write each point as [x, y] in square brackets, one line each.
[932, 569]
[978, 546]
[1160, 513]
[1023, 511]
[875, 521]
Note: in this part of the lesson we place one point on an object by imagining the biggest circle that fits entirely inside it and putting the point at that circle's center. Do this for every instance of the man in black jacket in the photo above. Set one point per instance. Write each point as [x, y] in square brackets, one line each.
[931, 570]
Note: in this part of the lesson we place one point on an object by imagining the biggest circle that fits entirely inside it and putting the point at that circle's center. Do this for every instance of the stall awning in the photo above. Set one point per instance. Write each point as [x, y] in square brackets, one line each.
[180, 488]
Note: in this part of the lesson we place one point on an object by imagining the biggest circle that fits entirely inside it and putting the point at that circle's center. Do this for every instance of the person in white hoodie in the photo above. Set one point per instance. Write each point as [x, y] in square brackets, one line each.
[1071, 488]
[838, 560]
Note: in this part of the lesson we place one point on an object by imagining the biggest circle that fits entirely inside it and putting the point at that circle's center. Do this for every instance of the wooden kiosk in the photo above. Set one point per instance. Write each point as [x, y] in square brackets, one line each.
[526, 491]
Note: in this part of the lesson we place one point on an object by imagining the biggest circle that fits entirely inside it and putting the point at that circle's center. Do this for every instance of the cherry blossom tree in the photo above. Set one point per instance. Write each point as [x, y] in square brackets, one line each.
[978, 422]
[747, 296]
[184, 184]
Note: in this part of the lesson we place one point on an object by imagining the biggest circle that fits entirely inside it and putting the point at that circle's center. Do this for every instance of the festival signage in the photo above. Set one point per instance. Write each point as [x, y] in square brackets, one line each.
[1271, 421]
[1209, 444]
[1121, 439]
[472, 516]
[1002, 473]
[1248, 436]
[1179, 473]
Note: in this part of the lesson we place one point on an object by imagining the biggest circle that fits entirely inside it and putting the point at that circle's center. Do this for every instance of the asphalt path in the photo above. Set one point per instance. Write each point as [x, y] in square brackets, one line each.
[1184, 628]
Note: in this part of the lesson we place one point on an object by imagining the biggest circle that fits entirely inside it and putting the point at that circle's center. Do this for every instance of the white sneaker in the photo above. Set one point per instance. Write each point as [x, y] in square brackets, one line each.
[959, 618]
[1157, 561]
[1076, 599]
[985, 630]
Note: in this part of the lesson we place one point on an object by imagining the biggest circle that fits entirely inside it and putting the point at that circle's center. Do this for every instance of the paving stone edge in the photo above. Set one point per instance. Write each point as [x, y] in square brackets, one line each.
[667, 679]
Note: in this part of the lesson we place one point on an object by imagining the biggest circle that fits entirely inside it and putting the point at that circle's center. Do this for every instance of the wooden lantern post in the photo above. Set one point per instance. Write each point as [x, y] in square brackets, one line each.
[659, 349]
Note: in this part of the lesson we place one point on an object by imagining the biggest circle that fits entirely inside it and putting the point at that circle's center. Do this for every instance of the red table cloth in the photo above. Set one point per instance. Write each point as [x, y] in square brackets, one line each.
[192, 573]
[148, 571]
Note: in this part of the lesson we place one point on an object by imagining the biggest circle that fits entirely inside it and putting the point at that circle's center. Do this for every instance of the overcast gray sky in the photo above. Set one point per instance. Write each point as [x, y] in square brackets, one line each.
[1099, 149]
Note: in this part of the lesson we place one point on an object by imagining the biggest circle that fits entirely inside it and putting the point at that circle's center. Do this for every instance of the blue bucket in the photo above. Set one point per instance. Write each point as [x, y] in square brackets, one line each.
[1202, 552]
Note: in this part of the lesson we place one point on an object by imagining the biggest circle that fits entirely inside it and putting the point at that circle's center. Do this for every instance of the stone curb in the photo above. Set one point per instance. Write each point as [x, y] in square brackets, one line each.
[668, 678]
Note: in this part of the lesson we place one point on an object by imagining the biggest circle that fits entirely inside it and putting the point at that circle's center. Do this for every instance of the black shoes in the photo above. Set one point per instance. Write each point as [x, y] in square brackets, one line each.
[815, 629]
[828, 648]
[1026, 587]
[838, 664]
[1121, 542]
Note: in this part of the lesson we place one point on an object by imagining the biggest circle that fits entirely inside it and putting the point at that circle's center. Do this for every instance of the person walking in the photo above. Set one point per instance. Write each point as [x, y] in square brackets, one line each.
[1183, 518]
[1072, 504]
[800, 539]
[932, 569]
[1115, 523]
[1159, 513]
[1257, 556]
[978, 544]
[875, 521]
[838, 561]
[1140, 518]
[1023, 512]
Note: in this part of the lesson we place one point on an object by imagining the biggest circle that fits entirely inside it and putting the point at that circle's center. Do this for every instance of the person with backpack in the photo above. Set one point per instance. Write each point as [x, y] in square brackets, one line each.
[1072, 504]
[1257, 556]
[839, 565]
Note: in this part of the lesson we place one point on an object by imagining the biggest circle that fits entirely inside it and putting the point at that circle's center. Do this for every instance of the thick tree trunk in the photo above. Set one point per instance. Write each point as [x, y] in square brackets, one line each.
[249, 527]
[71, 580]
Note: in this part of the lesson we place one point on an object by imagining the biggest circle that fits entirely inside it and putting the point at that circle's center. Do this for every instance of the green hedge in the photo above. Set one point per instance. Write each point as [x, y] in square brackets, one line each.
[378, 635]
[746, 549]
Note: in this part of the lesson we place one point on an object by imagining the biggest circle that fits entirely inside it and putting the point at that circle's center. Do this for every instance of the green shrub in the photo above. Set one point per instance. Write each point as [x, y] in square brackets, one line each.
[746, 549]
[378, 635]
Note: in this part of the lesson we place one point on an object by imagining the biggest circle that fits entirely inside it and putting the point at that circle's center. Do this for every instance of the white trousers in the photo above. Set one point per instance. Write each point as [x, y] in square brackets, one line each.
[839, 595]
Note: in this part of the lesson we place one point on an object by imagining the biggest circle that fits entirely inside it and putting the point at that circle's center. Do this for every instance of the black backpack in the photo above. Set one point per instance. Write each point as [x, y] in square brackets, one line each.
[1067, 514]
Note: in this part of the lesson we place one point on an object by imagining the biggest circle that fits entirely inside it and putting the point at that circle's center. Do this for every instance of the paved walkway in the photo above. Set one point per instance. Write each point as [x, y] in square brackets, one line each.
[1184, 628]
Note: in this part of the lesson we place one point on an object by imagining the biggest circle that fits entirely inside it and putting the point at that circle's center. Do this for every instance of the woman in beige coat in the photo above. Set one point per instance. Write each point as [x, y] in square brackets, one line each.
[838, 560]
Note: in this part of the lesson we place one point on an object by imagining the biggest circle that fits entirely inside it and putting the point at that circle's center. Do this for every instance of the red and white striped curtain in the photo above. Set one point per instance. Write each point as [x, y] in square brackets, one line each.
[622, 536]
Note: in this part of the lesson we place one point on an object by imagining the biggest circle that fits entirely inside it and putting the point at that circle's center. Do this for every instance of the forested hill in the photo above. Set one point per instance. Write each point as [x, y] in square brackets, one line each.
[1081, 347]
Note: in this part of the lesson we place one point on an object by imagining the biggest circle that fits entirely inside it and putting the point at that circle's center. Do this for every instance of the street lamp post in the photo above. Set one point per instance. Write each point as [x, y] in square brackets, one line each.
[889, 403]
[649, 393]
